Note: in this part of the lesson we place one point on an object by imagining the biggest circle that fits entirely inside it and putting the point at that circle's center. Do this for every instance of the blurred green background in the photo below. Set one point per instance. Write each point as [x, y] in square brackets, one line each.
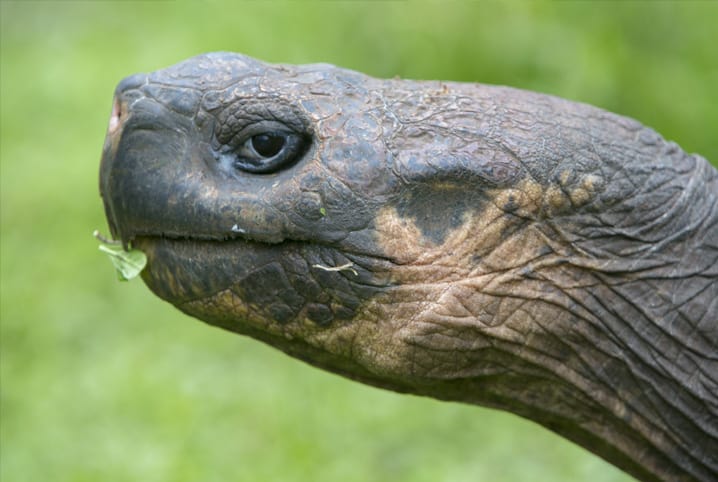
[102, 381]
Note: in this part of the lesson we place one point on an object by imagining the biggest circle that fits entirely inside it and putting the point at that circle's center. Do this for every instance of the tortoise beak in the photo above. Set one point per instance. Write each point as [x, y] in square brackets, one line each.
[157, 179]
[126, 92]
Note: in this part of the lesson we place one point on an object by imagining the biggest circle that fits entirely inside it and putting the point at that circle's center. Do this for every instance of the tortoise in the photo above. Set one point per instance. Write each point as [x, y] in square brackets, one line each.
[467, 242]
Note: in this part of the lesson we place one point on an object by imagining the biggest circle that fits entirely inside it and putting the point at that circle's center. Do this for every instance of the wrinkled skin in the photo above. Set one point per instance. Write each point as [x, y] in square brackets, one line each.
[465, 242]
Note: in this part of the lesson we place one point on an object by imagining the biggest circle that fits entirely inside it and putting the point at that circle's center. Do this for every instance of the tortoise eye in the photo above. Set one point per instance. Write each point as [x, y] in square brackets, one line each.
[268, 152]
[268, 145]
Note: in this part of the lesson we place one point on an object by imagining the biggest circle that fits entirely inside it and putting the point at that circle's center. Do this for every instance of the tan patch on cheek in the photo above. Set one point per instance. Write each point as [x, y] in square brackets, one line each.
[481, 281]
[567, 194]
[586, 190]
[398, 236]
[478, 233]
[500, 236]
[523, 200]
[555, 199]
[420, 259]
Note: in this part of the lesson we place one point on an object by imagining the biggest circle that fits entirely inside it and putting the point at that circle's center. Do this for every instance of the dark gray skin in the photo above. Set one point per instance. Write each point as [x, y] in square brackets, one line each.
[466, 242]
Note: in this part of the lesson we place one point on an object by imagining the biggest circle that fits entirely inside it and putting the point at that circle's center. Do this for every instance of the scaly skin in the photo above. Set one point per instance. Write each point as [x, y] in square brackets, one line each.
[465, 242]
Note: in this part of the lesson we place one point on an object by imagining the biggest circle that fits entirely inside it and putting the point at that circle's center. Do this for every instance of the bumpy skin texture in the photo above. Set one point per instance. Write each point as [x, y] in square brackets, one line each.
[466, 242]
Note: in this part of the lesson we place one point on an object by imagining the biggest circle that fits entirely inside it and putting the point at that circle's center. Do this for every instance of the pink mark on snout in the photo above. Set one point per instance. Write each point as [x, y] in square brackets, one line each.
[115, 117]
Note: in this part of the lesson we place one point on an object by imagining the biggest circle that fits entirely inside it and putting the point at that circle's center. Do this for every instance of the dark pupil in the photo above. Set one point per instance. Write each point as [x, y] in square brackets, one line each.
[268, 145]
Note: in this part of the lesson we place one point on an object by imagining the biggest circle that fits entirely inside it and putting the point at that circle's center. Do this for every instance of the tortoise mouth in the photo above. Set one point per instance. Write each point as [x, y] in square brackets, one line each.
[136, 239]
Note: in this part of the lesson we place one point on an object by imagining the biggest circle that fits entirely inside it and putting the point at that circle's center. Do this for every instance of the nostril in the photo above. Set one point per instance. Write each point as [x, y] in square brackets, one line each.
[115, 117]
[127, 90]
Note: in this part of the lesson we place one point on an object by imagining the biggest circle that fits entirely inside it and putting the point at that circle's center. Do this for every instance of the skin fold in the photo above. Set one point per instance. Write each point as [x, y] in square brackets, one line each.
[466, 242]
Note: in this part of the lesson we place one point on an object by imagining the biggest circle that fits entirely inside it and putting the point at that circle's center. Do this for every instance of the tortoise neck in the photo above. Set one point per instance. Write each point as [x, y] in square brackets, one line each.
[634, 391]
[626, 411]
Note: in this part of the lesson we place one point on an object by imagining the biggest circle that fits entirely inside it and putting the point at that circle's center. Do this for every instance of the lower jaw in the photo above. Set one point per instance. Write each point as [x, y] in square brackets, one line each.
[182, 270]
[282, 282]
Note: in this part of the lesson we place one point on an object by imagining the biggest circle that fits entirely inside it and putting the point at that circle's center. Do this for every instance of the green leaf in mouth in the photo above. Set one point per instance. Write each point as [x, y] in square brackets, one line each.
[128, 263]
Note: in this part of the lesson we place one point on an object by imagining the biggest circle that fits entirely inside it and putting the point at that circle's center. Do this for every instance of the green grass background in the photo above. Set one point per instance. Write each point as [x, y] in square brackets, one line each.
[100, 381]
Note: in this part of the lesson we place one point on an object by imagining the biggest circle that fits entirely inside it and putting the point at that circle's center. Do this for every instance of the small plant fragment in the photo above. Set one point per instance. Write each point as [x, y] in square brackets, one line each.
[128, 264]
[344, 267]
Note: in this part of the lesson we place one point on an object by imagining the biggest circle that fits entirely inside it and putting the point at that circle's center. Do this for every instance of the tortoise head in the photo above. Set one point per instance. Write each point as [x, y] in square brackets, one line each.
[278, 201]
[467, 242]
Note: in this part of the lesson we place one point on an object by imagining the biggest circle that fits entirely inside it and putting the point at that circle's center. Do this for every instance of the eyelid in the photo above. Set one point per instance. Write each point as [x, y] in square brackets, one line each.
[272, 112]
[257, 128]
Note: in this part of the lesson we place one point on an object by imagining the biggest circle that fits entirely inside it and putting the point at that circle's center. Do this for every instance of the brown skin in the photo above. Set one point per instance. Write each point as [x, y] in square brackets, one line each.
[465, 242]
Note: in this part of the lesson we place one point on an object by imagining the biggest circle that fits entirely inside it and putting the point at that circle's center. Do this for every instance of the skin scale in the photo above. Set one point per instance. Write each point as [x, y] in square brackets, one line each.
[466, 242]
